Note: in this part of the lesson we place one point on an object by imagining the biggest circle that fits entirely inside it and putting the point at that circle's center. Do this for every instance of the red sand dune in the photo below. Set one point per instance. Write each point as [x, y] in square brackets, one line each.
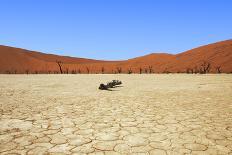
[15, 60]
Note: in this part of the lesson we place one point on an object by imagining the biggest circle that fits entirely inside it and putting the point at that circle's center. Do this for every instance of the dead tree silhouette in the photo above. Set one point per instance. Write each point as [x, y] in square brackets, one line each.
[59, 63]
[27, 71]
[189, 70]
[205, 67]
[119, 69]
[218, 69]
[145, 70]
[73, 71]
[140, 70]
[129, 71]
[7, 72]
[196, 70]
[102, 70]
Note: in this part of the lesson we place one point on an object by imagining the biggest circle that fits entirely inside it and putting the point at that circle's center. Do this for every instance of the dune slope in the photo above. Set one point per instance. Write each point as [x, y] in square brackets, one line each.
[16, 60]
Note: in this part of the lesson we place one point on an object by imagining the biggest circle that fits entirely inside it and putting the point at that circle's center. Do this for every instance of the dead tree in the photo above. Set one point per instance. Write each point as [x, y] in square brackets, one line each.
[27, 71]
[145, 70]
[7, 72]
[150, 69]
[205, 67]
[119, 69]
[189, 70]
[87, 70]
[59, 63]
[102, 70]
[129, 71]
[140, 70]
[73, 72]
[196, 70]
[218, 69]
[66, 70]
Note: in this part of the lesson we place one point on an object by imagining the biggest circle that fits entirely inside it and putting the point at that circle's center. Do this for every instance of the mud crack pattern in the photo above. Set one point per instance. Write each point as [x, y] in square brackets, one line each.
[150, 114]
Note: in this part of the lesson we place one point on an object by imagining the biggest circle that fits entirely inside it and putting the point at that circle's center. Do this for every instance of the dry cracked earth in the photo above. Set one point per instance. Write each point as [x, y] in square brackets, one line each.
[148, 114]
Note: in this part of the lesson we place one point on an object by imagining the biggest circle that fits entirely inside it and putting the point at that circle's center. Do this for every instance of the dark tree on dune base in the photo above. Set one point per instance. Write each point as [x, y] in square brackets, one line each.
[27, 71]
[196, 70]
[189, 70]
[218, 69]
[205, 67]
[59, 63]
[102, 70]
[129, 71]
[66, 70]
[87, 70]
[140, 70]
[145, 70]
[73, 72]
[119, 69]
[7, 72]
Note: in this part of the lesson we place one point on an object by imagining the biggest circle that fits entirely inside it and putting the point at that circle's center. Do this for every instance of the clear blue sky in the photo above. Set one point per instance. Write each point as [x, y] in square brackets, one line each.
[113, 29]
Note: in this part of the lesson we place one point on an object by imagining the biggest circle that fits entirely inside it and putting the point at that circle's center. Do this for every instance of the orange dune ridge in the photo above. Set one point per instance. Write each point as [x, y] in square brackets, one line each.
[217, 55]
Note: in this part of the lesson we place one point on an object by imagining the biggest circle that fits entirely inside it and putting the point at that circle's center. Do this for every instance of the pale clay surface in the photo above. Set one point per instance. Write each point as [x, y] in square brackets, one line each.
[150, 114]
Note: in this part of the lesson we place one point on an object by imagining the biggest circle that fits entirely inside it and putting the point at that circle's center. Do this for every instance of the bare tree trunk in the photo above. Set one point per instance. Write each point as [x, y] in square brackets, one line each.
[129, 71]
[140, 70]
[66, 70]
[119, 69]
[59, 63]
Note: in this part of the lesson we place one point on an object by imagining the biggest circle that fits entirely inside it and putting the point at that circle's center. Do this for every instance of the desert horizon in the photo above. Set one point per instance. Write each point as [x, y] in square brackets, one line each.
[211, 58]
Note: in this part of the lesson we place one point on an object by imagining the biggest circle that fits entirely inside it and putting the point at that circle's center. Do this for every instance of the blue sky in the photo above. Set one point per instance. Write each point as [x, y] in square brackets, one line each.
[113, 29]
